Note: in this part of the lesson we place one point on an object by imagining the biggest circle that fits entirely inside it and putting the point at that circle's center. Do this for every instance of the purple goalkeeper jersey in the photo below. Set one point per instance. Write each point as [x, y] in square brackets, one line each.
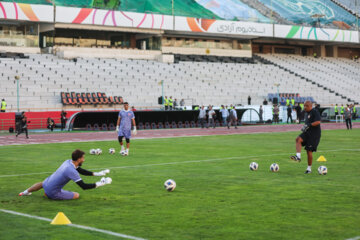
[125, 122]
[61, 177]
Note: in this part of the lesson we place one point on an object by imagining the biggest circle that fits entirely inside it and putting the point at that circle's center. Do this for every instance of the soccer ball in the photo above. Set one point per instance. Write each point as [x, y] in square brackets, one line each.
[98, 151]
[322, 170]
[254, 166]
[274, 167]
[170, 185]
[111, 150]
[92, 151]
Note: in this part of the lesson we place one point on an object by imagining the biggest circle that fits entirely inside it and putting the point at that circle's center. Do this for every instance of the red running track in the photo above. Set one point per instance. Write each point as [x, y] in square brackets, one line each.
[67, 137]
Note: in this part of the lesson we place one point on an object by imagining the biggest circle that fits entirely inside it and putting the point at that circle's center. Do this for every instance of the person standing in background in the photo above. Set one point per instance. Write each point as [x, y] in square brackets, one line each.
[347, 117]
[224, 114]
[336, 110]
[23, 125]
[3, 105]
[276, 114]
[211, 114]
[63, 119]
[289, 112]
[202, 116]
[261, 112]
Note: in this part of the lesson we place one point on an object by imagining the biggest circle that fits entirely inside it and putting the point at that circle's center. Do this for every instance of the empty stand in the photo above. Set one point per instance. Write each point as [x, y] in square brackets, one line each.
[337, 77]
[47, 81]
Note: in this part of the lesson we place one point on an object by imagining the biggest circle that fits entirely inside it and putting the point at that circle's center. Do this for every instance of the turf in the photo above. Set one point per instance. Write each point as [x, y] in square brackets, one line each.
[217, 196]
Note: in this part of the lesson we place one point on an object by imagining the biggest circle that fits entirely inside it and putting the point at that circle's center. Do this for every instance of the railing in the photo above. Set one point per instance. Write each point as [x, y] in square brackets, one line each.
[81, 108]
[35, 123]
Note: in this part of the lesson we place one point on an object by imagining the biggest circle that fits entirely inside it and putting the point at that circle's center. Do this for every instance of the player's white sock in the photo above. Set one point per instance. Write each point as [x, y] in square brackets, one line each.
[122, 149]
[25, 193]
[127, 151]
[298, 155]
[309, 168]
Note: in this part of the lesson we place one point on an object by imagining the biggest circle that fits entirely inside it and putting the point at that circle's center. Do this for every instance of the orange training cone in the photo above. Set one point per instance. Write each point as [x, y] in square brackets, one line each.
[60, 219]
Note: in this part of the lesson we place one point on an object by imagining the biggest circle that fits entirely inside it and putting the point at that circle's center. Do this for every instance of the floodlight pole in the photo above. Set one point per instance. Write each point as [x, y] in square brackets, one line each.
[162, 93]
[357, 14]
[173, 13]
[17, 90]
[277, 86]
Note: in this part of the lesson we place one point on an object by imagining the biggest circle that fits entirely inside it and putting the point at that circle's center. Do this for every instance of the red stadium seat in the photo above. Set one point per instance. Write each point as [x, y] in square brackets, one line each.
[95, 98]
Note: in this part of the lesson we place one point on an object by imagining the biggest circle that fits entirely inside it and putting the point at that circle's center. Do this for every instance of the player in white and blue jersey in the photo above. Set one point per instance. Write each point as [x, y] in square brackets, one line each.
[123, 128]
[69, 170]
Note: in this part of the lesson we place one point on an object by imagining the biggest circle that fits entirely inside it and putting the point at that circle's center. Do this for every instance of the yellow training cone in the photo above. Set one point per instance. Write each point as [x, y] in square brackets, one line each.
[60, 219]
[321, 159]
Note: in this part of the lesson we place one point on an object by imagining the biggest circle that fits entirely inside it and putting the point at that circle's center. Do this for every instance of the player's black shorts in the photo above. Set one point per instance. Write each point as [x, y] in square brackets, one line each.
[310, 141]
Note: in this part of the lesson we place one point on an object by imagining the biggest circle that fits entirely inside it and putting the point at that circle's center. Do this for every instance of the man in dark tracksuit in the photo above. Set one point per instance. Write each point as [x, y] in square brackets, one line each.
[310, 136]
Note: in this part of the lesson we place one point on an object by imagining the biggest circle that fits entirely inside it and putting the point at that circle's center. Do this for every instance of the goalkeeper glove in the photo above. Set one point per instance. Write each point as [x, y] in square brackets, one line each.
[305, 128]
[117, 128]
[101, 173]
[134, 131]
[103, 181]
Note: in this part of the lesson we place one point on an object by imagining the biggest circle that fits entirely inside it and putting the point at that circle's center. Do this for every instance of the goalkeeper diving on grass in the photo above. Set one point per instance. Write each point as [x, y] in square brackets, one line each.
[69, 170]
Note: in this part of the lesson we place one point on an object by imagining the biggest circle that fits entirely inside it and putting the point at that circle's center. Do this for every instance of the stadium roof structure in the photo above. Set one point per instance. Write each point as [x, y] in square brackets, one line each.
[239, 19]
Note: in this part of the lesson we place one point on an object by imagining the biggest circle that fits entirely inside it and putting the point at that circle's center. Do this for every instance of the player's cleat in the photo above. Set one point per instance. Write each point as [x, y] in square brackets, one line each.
[296, 158]
[24, 194]
[307, 171]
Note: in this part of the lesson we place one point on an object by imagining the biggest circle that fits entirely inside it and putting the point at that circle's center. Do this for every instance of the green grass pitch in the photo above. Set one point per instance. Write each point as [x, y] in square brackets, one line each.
[217, 196]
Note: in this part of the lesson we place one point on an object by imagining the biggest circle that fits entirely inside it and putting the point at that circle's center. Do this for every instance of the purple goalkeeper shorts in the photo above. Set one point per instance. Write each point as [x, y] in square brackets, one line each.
[125, 133]
[61, 195]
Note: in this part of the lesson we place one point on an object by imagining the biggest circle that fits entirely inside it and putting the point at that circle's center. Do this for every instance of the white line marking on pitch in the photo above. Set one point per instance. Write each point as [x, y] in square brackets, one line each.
[354, 238]
[184, 162]
[74, 225]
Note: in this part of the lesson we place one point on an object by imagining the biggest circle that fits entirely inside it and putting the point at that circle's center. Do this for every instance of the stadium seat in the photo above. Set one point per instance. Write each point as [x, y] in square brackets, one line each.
[96, 127]
[167, 125]
[160, 125]
[192, 124]
[112, 127]
[173, 124]
[187, 124]
[147, 125]
[89, 127]
[111, 100]
[140, 126]
[180, 124]
[153, 125]
[104, 127]
[95, 98]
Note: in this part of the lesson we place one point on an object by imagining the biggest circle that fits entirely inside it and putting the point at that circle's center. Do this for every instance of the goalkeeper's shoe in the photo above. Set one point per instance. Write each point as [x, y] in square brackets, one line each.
[307, 171]
[24, 194]
[296, 158]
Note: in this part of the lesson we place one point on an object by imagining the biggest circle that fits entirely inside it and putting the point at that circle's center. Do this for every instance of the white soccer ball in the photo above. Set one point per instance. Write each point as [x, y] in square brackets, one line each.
[322, 170]
[98, 151]
[92, 151]
[170, 185]
[274, 167]
[254, 166]
[111, 150]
